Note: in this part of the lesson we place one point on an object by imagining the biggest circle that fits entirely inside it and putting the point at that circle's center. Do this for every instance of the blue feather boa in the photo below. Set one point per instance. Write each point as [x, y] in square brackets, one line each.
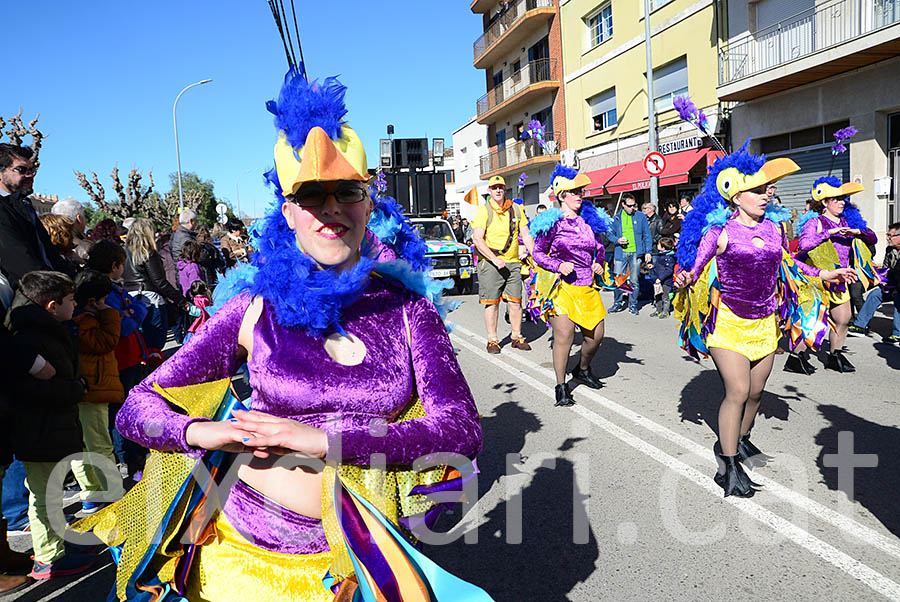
[801, 221]
[854, 217]
[303, 294]
[599, 222]
[777, 213]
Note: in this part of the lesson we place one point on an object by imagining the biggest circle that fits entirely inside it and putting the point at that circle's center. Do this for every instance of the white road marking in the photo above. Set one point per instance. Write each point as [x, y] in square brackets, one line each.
[848, 525]
[70, 586]
[823, 550]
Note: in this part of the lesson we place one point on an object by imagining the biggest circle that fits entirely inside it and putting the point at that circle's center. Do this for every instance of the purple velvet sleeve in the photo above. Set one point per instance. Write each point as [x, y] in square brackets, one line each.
[211, 354]
[451, 421]
[868, 237]
[706, 250]
[810, 237]
[541, 247]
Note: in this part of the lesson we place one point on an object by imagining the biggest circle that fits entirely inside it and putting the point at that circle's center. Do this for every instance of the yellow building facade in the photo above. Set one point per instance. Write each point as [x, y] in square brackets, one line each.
[605, 89]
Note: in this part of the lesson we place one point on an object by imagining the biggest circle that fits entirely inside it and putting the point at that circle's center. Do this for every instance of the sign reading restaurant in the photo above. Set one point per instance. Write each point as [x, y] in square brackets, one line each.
[682, 144]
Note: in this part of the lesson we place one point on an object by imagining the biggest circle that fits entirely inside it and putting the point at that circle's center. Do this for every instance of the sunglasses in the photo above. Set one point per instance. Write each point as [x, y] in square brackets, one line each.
[629, 205]
[24, 171]
[759, 189]
[314, 195]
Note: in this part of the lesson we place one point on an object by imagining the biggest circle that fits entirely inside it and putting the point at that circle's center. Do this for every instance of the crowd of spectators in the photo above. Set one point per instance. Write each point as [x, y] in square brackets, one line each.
[85, 313]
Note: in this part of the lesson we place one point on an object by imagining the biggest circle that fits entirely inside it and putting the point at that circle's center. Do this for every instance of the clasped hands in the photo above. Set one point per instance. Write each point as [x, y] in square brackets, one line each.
[567, 267]
[259, 433]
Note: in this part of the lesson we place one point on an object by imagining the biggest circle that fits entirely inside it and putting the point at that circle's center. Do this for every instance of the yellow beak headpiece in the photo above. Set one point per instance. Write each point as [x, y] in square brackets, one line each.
[731, 181]
[561, 183]
[824, 190]
[320, 159]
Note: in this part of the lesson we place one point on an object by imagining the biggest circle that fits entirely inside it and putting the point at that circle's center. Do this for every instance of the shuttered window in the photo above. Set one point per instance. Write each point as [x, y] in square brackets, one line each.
[669, 81]
[794, 189]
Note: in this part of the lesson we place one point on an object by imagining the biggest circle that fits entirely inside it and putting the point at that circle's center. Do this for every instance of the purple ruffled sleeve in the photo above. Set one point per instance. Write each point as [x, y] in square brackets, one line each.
[810, 237]
[542, 247]
[706, 250]
[211, 354]
[451, 421]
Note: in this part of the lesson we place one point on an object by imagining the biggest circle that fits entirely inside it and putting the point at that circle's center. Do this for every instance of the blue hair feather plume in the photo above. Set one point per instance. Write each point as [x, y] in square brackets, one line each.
[303, 104]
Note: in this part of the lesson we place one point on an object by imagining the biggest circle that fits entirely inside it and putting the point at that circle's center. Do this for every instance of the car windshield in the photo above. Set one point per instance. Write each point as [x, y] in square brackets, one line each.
[434, 231]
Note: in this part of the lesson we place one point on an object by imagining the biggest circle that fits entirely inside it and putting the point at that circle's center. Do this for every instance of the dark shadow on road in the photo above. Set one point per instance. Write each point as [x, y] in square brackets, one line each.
[610, 356]
[874, 488]
[890, 353]
[701, 397]
[547, 564]
[504, 433]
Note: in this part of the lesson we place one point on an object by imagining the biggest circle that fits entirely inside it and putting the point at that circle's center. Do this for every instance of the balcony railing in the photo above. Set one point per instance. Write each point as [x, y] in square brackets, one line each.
[823, 26]
[505, 21]
[533, 72]
[514, 153]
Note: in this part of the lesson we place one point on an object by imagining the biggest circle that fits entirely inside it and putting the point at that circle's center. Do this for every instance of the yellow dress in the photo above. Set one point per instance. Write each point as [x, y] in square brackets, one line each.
[582, 304]
[752, 338]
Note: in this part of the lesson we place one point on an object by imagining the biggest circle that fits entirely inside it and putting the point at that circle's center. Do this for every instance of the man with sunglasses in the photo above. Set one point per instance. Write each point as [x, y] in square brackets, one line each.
[631, 232]
[892, 264]
[24, 243]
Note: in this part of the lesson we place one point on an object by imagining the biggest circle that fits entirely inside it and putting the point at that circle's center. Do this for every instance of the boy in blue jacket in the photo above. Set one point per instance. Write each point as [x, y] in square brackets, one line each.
[663, 271]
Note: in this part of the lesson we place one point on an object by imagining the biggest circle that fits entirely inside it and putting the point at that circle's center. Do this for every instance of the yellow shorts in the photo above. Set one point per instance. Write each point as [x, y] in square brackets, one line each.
[754, 339]
[836, 298]
[231, 569]
[582, 304]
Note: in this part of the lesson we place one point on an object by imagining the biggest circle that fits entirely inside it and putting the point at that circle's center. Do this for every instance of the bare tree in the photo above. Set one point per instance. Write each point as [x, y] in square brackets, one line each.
[17, 132]
[134, 200]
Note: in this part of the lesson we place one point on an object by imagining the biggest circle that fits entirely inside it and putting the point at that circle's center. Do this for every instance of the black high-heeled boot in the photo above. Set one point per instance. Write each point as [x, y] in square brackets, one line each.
[799, 364]
[846, 366]
[563, 396]
[732, 478]
[749, 453]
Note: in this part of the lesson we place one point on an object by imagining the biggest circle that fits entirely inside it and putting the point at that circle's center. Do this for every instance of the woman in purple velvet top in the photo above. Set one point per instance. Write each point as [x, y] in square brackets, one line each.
[837, 225]
[336, 346]
[741, 334]
[568, 244]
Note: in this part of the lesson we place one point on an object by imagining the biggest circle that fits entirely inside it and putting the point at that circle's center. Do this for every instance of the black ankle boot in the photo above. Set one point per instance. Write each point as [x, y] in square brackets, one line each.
[799, 364]
[846, 366]
[732, 478]
[586, 377]
[563, 396]
[749, 453]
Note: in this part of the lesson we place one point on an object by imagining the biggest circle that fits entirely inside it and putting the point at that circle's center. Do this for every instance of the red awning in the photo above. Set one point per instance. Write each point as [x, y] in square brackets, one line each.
[631, 176]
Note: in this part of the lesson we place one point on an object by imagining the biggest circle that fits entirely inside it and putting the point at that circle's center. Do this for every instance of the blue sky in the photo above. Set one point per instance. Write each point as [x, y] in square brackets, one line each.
[103, 75]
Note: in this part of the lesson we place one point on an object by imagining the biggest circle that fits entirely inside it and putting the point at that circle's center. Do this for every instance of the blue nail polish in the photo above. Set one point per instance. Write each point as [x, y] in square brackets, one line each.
[246, 439]
[232, 420]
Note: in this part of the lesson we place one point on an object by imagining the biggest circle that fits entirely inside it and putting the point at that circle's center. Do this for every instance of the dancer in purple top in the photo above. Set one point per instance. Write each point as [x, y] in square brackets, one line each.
[569, 250]
[737, 236]
[827, 240]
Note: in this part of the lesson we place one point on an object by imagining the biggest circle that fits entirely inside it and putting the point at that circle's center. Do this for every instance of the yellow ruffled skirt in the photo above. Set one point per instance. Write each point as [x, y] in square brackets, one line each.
[836, 298]
[754, 339]
[582, 304]
[231, 569]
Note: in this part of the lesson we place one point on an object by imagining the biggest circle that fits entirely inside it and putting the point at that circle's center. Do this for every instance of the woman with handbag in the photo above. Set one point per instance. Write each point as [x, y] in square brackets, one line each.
[569, 250]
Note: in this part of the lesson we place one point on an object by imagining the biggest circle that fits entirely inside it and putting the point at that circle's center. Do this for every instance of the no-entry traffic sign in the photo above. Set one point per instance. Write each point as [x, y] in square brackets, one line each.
[654, 164]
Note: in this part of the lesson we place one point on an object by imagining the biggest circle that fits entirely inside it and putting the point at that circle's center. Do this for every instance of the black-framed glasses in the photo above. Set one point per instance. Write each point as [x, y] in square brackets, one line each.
[24, 171]
[313, 194]
[629, 205]
[759, 189]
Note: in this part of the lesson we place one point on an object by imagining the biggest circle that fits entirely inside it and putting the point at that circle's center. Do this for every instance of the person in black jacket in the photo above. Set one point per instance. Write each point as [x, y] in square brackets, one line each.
[145, 279]
[46, 428]
[24, 243]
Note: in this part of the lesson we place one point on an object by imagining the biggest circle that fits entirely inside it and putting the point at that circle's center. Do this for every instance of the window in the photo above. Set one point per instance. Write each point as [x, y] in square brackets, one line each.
[600, 27]
[654, 4]
[449, 177]
[464, 159]
[669, 81]
[603, 110]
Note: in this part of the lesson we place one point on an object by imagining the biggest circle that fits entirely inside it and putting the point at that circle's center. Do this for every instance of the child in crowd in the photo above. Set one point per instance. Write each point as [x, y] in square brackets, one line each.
[663, 271]
[189, 265]
[108, 258]
[99, 326]
[46, 428]
[201, 298]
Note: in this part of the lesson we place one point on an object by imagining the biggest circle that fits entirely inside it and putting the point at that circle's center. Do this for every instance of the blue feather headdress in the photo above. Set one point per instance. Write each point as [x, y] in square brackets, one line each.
[303, 105]
[709, 207]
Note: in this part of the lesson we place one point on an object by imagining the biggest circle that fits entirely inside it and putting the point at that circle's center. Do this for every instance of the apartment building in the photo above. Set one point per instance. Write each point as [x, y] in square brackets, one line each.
[469, 145]
[798, 70]
[520, 52]
[606, 92]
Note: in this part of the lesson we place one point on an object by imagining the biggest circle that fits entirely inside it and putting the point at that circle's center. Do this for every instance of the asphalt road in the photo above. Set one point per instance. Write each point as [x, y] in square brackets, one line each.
[613, 498]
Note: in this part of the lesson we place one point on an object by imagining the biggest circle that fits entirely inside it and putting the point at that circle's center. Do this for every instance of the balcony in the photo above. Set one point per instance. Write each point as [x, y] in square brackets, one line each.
[510, 29]
[832, 37]
[534, 79]
[517, 156]
[482, 6]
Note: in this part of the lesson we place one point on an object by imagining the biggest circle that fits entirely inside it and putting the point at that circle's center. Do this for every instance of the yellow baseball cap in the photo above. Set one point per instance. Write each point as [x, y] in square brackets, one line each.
[496, 180]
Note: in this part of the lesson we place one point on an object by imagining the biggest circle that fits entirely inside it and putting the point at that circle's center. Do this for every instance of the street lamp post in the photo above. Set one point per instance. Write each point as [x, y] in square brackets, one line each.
[177, 153]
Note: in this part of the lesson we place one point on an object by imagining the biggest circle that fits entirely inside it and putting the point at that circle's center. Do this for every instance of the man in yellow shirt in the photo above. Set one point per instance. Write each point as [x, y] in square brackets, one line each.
[497, 228]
